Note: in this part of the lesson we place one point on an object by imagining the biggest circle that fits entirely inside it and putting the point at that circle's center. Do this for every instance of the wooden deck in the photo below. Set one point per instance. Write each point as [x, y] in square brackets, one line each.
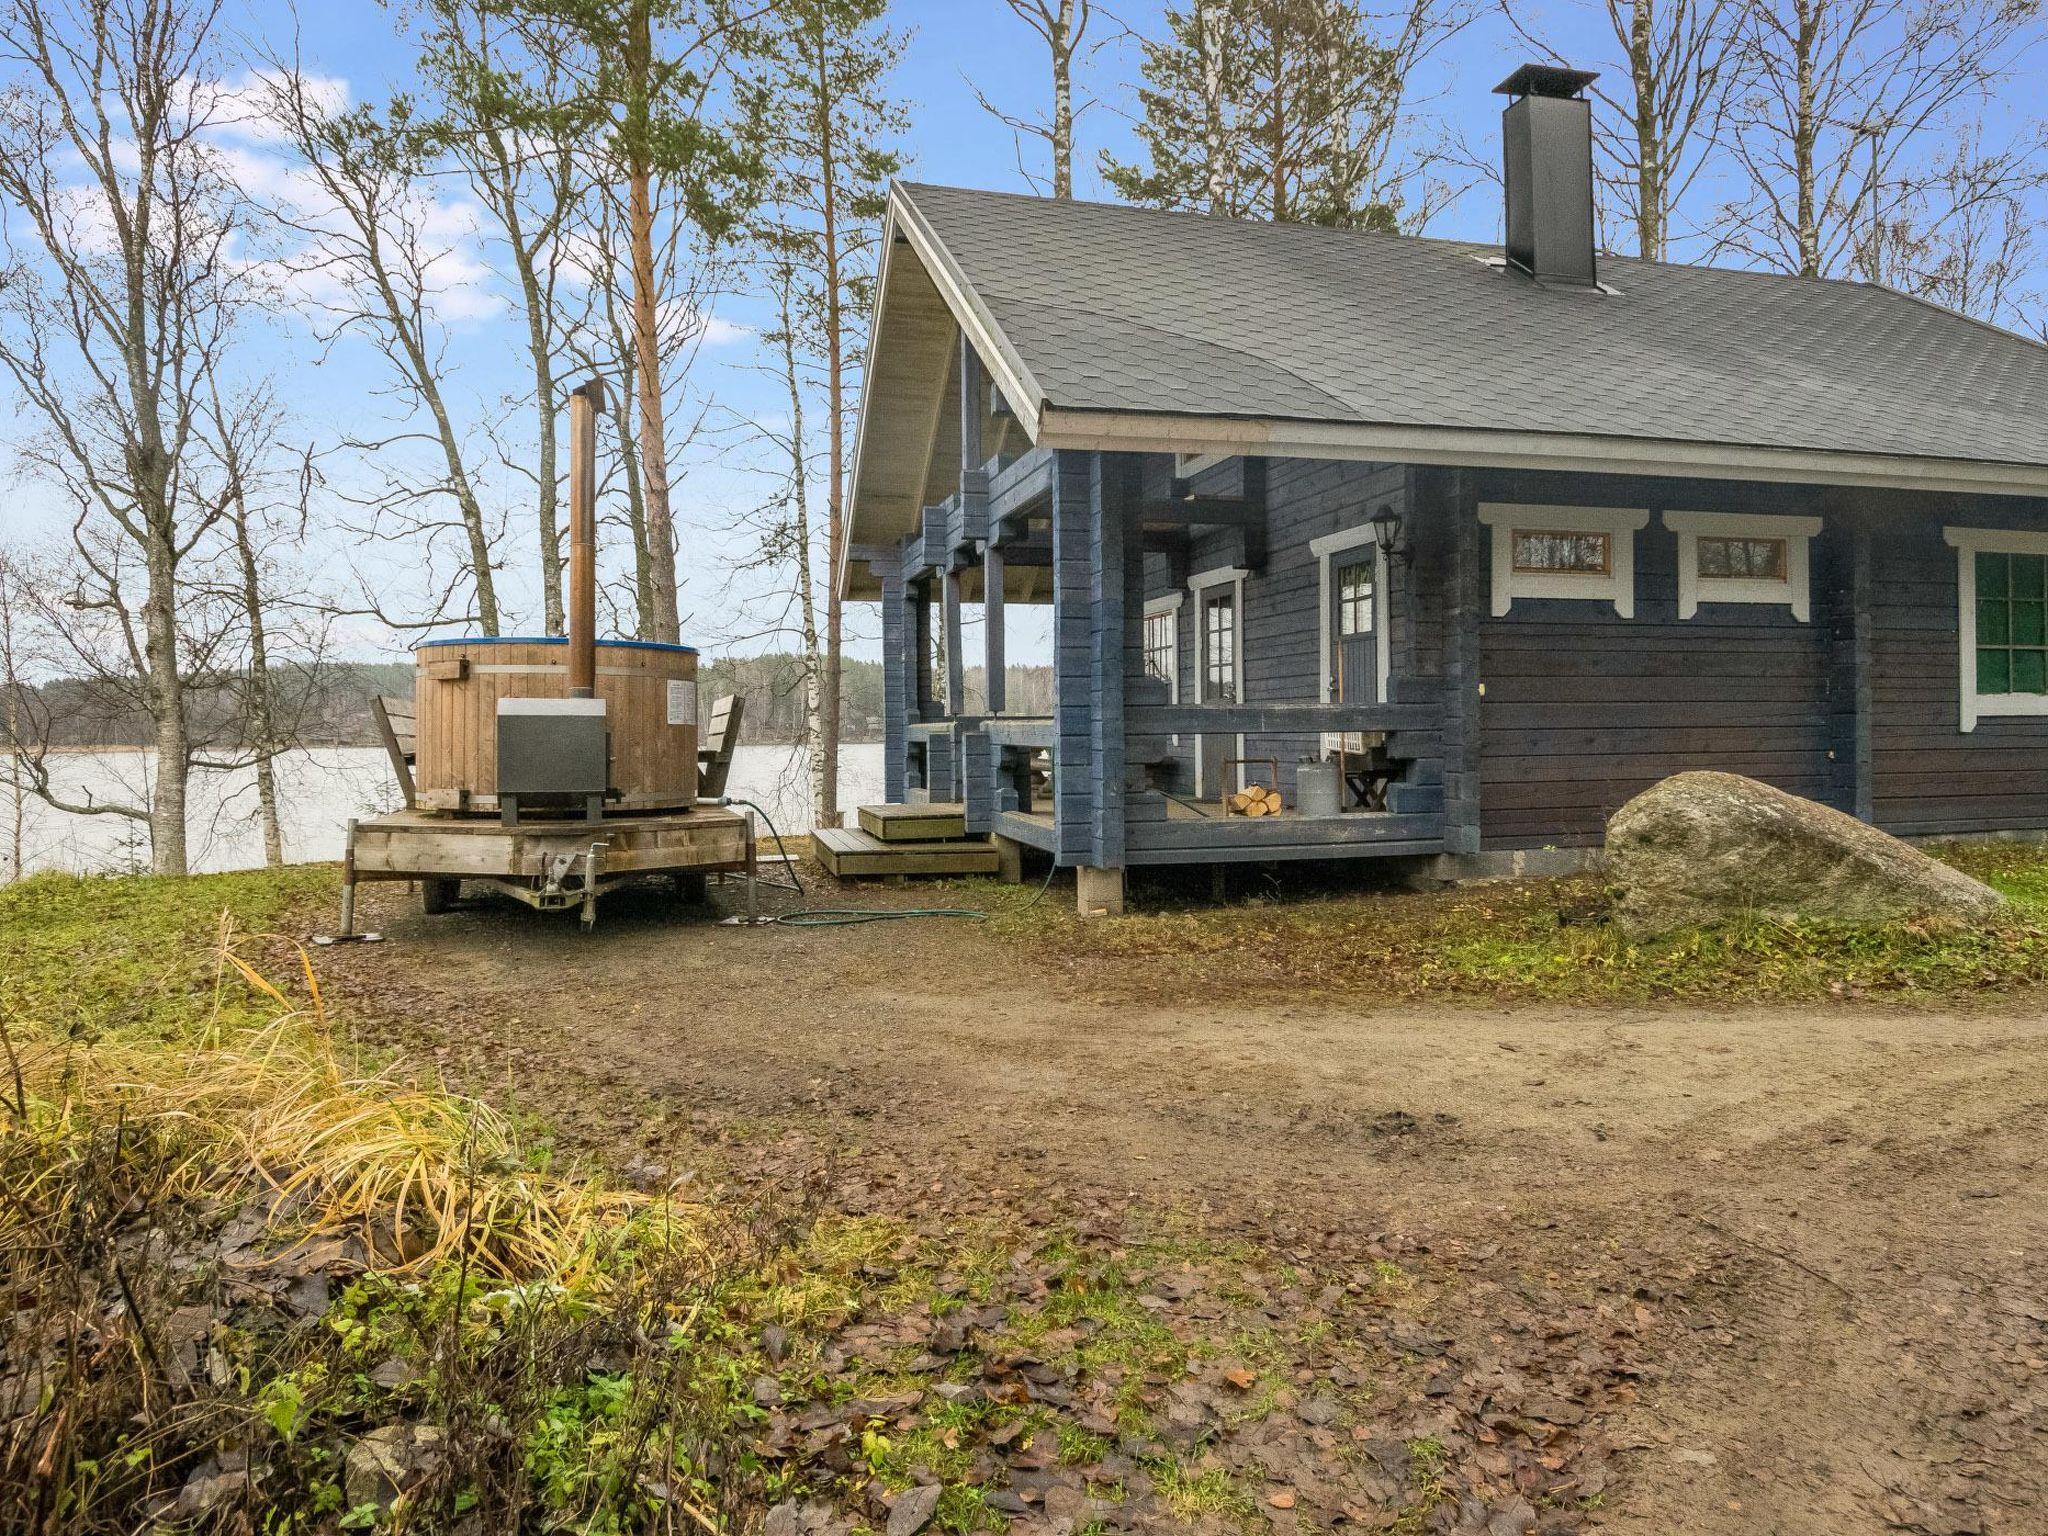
[928, 823]
[854, 855]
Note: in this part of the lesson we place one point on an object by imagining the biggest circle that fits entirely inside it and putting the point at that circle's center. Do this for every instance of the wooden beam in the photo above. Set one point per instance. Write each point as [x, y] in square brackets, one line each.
[1278, 719]
[1203, 512]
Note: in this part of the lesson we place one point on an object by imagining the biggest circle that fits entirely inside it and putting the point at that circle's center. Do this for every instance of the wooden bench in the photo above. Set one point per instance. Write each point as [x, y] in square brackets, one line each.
[398, 724]
[714, 752]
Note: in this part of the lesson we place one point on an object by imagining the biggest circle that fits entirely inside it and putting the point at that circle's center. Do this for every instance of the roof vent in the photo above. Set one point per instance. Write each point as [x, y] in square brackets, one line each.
[1547, 144]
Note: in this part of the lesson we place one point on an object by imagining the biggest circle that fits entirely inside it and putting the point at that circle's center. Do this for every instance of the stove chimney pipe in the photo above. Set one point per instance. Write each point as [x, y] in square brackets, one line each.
[584, 404]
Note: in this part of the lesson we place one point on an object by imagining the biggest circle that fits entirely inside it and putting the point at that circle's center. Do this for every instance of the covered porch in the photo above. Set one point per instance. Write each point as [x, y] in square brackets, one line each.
[1125, 771]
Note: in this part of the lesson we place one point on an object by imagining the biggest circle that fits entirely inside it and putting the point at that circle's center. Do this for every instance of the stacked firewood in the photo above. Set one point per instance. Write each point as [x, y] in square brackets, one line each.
[1255, 800]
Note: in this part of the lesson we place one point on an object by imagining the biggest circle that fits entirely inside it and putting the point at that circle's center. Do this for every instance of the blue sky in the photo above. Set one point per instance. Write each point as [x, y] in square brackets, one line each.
[951, 139]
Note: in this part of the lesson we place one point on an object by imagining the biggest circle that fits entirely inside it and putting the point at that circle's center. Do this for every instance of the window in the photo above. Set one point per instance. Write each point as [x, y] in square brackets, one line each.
[1587, 554]
[1162, 642]
[1219, 646]
[1354, 598]
[1743, 557]
[2012, 623]
[2001, 622]
[1571, 552]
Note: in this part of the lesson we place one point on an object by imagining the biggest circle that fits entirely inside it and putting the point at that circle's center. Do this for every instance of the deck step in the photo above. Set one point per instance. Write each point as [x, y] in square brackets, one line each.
[848, 854]
[1407, 799]
[929, 823]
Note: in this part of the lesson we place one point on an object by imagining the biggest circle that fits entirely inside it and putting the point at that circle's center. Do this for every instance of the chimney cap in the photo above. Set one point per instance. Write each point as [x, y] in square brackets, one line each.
[1546, 80]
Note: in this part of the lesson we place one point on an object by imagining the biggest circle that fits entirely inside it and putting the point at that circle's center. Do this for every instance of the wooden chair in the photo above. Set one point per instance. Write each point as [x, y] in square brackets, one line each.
[398, 724]
[714, 752]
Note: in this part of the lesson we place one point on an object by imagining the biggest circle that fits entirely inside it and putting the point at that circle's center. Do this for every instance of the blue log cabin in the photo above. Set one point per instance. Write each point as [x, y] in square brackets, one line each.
[1457, 547]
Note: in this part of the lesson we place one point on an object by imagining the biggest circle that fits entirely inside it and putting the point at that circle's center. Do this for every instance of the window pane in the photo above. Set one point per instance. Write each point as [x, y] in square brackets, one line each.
[1994, 623]
[1742, 559]
[1994, 575]
[2027, 574]
[1994, 672]
[1354, 599]
[1542, 550]
[2030, 671]
[1765, 558]
[2027, 623]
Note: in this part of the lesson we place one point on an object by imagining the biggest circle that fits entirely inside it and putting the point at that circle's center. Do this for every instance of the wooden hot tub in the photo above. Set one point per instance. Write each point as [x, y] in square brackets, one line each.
[650, 695]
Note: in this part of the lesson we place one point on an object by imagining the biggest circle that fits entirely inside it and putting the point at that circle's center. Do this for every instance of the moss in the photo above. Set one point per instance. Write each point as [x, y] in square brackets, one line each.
[83, 956]
[1548, 940]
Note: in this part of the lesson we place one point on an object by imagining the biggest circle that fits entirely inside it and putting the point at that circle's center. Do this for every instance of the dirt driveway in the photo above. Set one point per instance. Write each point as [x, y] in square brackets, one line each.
[1865, 1187]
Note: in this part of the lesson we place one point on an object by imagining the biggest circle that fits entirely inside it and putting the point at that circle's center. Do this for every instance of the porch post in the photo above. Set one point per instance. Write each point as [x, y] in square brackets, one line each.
[997, 686]
[1072, 682]
[896, 682]
[1464, 599]
[1845, 573]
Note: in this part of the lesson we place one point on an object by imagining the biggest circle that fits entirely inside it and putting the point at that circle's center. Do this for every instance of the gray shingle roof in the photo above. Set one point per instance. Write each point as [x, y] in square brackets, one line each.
[1123, 309]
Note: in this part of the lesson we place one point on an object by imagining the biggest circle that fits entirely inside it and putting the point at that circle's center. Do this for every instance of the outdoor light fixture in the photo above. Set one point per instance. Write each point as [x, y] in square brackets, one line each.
[1386, 530]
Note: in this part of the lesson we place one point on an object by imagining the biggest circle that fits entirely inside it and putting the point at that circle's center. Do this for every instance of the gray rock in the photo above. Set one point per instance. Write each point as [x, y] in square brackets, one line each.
[1702, 848]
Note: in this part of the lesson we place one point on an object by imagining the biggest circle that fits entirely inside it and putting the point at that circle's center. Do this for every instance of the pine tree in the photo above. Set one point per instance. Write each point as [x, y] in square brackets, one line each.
[1288, 110]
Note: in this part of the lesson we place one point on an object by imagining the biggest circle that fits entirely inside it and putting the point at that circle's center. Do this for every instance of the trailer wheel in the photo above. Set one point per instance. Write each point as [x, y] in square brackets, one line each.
[438, 896]
[692, 888]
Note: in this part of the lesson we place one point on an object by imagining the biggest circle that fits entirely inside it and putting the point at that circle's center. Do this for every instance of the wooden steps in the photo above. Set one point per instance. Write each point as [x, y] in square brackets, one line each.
[848, 854]
[933, 823]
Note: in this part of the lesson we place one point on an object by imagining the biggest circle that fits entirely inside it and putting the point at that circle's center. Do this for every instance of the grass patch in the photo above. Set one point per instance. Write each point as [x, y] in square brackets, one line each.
[1545, 940]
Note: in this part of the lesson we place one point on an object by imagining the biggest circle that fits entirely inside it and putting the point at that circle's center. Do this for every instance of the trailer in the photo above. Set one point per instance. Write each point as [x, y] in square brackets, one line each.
[549, 865]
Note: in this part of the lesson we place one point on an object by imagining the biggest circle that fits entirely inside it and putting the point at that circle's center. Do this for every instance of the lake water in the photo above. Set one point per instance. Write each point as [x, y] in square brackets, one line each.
[318, 791]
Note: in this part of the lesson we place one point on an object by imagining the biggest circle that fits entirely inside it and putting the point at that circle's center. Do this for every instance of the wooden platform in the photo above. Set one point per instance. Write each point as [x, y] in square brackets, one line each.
[410, 844]
[914, 823]
[853, 855]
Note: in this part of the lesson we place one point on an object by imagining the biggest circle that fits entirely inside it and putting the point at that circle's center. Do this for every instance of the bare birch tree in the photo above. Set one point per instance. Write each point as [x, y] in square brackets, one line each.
[375, 263]
[1062, 25]
[12, 721]
[1846, 108]
[120, 295]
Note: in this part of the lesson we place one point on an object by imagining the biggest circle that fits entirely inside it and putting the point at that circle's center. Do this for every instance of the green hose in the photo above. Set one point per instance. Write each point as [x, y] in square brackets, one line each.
[839, 917]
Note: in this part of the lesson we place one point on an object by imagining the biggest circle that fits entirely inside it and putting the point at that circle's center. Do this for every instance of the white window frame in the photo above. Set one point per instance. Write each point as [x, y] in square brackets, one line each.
[1167, 607]
[1794, 590]
[1199, 583]
[1325, 549]
[1617, 584]
[1969, 543]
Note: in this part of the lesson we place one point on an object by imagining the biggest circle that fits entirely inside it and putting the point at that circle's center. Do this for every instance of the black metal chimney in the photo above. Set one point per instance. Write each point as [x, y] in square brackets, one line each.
[1547, 143]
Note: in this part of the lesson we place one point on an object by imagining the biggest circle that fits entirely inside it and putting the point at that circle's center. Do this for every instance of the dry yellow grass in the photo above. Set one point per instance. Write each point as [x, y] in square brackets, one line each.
[419, 1174]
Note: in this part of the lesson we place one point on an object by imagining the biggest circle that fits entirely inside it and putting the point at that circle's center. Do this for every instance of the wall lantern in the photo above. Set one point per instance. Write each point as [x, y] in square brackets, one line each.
[1386, 531]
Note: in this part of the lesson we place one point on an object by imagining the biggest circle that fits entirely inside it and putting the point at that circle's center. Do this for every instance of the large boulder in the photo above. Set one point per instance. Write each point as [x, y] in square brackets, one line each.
[1706, 847]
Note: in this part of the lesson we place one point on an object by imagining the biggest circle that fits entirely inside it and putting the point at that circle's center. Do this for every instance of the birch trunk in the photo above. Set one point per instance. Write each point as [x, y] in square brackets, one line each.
[259, 715]
[1650, 197]
[823, 695]
[1062, 41]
